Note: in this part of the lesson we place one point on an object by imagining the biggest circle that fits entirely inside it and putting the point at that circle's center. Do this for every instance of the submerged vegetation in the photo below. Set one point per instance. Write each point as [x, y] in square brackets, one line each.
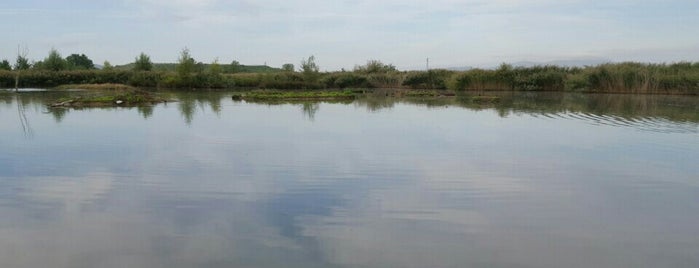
[54, 70]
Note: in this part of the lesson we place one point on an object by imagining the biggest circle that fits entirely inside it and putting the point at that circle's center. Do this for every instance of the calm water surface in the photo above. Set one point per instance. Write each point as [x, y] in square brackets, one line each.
[538, 180]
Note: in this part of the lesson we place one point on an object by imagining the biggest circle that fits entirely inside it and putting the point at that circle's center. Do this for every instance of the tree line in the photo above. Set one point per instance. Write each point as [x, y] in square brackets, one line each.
[628, 77]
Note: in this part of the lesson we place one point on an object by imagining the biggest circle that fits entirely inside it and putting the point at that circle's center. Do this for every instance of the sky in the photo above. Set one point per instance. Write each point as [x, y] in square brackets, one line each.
[342, 34]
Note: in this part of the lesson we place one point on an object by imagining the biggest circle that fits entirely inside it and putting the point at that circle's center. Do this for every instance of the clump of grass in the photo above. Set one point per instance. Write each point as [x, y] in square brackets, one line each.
[296, 95]
[132, 98]
[106, 86]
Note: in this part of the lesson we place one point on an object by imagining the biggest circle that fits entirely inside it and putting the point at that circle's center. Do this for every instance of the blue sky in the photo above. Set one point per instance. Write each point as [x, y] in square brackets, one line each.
[345, 33]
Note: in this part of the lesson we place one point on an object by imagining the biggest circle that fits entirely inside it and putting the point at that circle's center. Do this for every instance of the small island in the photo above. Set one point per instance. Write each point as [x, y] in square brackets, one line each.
[123, 96]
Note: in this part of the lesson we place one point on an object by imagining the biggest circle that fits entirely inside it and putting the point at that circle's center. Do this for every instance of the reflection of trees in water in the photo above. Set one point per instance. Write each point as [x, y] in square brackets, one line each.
[145, 111]
[186, 108]
[374, 104]
[621, 109]
[188, 102]
[646, 112]
[58, 114]
[310, 109]
[674, 108]
[26, 128]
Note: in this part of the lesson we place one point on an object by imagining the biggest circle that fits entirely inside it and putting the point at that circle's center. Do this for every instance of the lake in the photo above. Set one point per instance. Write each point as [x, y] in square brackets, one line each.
[535, 180]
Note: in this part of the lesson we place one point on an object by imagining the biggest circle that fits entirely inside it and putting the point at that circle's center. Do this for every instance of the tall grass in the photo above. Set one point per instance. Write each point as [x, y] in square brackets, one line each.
[677, 78]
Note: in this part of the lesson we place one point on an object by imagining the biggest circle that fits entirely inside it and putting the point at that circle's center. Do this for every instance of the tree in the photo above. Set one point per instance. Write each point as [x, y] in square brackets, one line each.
[80, 62]
[215, 67]
[106, 66]
[310, 69]
[38, 65]
[288, 67]
[507, 74]
[22, 63]
[54, 62]
[142, 63]
[235, 67]
[186, 64]
[5, 65]
[375, 66]
[215, 78]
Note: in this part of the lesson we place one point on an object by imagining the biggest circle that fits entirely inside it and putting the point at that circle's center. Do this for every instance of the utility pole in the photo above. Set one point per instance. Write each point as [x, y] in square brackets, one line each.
[428, 64]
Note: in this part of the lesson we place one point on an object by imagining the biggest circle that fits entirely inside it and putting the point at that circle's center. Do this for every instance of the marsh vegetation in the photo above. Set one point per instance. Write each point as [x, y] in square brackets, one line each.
[188, 73]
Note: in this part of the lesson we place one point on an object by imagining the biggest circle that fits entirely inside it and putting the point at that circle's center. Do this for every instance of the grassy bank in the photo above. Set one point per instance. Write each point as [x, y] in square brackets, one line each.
[678, 78]
[106, 86]
[123, 98]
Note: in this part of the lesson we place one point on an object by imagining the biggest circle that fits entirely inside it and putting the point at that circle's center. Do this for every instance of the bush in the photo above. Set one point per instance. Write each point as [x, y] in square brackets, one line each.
[479, 79]
[432, 79]
[345, 80]
[539, 78]
[375, 66]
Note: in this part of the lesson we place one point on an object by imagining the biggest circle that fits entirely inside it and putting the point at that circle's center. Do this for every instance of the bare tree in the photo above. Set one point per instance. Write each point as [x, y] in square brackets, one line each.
[21, 64]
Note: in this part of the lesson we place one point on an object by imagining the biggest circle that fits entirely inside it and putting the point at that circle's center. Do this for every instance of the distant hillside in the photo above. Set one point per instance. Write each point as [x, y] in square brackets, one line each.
[227, 68]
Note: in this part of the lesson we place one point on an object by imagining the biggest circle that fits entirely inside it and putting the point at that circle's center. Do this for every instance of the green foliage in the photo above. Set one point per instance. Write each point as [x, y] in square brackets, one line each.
[185, 67]
[144, 79]
[345, 80]
[432, 79]
[508, 78]
[106, 66]
[46, 78]
[79, 62]
[310, 69]
[5, 65]
[226, 68]
[234, 67]
[375, 66]
[245, 80]
[288, 67]
[285, 81]
[678, 78]
[629, 77]
[22, 63]
[142, 63]
[385, 80]
[54, 62]
[213, 76]
[539, 78]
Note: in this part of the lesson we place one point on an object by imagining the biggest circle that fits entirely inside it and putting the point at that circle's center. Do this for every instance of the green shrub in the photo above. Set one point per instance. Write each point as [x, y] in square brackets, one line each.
[432, 79]
[345, 80]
